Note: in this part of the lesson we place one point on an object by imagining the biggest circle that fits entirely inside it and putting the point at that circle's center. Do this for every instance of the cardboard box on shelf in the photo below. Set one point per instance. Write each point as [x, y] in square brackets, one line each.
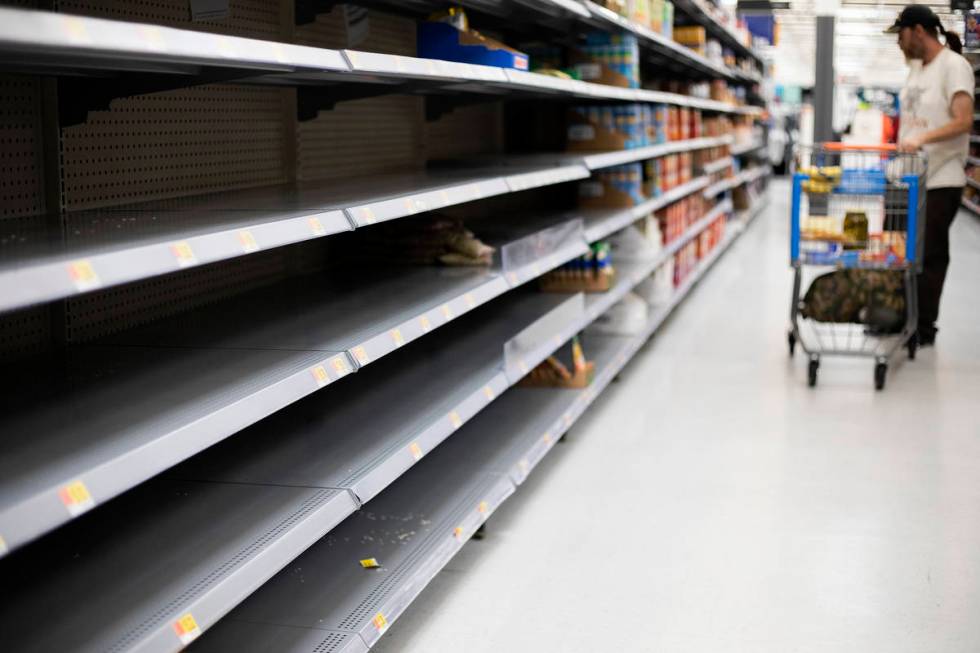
[613, 188]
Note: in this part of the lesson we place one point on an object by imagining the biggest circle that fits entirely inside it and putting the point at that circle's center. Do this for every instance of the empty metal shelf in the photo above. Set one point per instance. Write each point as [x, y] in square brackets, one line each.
[600, 223]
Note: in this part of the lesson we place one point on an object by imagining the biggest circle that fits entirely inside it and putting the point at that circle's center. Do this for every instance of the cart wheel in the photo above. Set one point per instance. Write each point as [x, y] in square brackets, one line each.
[812, 371]
[881, 369]
[792, 343]
[913, 345]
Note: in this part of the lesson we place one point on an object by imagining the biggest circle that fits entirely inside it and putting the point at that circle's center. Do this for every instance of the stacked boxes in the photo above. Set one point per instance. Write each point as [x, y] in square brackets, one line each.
[694, 37]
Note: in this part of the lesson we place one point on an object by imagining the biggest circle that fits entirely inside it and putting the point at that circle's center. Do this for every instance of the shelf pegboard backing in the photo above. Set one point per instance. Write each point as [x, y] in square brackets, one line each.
[257, 19]
[466, 131]
[183, 142]
[362, 137]
[115, 309]
[27, 331]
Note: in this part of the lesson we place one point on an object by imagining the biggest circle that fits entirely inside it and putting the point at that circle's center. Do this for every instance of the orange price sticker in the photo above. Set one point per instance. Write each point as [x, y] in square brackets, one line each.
[367, 214]
[458, 533]
[426, 324]
[76, 498]
[3, 546]
[547, 438]
[370, 563]
[415, 450]
[183, 253]
[380, 623]
[320, 375]
[248, 242]
[488, 393]
[483, 507]
[396, 337]
[83, 275]
[446, 311]
[316, 227]
[187, 629]
[361, 355]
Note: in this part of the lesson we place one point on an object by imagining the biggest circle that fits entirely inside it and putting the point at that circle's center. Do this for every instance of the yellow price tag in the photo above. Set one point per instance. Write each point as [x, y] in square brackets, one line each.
[415, 450]
[483, 507]
[458, 533]
[547, 439]
[3, 546]
[488, 393]
[341, 366]
[183, 253]
[76, 498]
[187, 629]
[396, 337]
[248, 242]
[83, 275]
[361, 355]
[455, 419]
[446, 311]
[367, 214]
[380, 622]
[316, 227]
[370, 563]
[320, 375]
[426, 324]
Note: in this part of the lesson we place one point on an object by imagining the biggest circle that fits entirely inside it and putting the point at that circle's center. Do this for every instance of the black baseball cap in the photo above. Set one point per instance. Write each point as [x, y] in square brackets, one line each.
[914, 15]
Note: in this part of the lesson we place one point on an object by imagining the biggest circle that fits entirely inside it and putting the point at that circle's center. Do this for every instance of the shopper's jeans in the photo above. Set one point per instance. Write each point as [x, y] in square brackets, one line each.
[941, 207]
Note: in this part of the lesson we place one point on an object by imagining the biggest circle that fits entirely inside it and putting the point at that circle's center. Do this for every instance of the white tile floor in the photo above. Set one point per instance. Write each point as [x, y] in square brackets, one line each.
[711, 502]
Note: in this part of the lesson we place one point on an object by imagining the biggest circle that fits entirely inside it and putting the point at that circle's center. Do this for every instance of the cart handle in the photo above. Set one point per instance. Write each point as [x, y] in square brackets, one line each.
[843, 147]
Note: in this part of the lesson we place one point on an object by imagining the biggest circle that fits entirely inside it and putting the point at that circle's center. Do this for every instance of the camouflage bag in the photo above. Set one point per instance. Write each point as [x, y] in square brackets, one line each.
[875, 298]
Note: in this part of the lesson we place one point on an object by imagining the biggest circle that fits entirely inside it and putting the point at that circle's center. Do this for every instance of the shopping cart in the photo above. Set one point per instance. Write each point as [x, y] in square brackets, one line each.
[860, 211]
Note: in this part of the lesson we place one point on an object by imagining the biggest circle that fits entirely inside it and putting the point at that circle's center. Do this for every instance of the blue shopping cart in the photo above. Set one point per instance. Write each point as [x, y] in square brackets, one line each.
[858, 215]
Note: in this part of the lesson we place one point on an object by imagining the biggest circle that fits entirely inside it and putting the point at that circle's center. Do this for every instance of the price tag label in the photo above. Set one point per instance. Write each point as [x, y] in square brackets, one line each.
[83, 275]
[470, 300]
[370, 563]
[183, 253]
[187, 629]
[557, 341]
[320, 375]
[152, 37]
[483, 507]
[367, 215]
[380, 623]
[415, 450]
[316, 227]
[522, 366]
[488, 393]
[341, 366]
[512, 278]
[455, 419]
[426, 324]
[248, 242]
[547, 439]
[447, 312]
[458, 533]
[361, 355]
[396, 337]
[3, 547]
[76, 498]
[76, 31]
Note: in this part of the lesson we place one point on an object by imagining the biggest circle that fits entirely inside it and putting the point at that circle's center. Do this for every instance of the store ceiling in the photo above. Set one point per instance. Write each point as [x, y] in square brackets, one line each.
[863, 55]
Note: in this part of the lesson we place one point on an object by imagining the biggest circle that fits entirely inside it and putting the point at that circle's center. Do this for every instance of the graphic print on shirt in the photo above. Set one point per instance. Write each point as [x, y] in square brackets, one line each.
[913, 103]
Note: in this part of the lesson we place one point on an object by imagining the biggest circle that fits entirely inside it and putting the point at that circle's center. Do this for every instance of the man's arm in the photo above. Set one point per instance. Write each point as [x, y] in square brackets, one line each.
[962, 109]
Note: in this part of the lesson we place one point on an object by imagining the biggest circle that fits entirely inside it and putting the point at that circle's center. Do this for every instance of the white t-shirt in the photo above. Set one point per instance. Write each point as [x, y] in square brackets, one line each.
[925, 105]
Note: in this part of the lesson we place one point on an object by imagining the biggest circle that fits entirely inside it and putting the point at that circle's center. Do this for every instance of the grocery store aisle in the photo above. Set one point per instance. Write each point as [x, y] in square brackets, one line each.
[710, 501]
